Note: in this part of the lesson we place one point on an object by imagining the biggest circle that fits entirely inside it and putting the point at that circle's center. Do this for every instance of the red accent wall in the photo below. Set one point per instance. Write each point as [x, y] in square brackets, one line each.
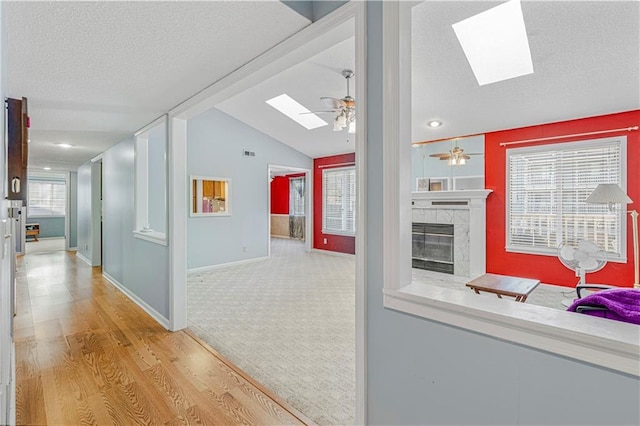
[548, 269]
[338, 243]
[280, 195]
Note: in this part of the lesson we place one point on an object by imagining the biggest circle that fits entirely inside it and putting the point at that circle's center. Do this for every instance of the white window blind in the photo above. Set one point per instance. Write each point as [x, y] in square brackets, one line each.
[296, 196]
[46, 198]
[339, 200]
[546, 191]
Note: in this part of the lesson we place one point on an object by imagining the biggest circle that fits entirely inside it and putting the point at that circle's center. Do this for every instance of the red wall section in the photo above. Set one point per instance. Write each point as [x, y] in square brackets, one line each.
[280, 195]
[339, 243]
[548, 269]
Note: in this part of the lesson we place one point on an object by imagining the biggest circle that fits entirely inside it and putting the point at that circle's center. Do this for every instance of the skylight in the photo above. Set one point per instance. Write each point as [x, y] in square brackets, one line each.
[292, 109]
[496, 44]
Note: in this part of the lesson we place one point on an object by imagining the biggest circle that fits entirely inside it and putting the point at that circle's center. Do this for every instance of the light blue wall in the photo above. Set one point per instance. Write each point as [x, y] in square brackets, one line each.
[72, 212]
[140, 266]
[50, 227]
[421, 372]
[215, 142]
[157, 177]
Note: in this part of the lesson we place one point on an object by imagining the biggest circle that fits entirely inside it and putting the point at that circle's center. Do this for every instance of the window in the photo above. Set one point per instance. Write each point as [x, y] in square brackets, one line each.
[296, 196]
[46, 198]
[547, 188]
[339, 201]
[151, 182]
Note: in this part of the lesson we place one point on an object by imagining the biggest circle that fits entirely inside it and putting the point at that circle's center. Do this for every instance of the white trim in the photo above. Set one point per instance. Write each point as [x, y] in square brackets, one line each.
[152, 236]
[599, 341]
[97, 158]
[149, 126]
[224, 265]
[57, 216]
[137, 300]
[297, 48]
[47, 238]
[84, 259]
[602, 342]
[292, 51]
[278, 215]
[72, 249]
[177, 216]
[67, 224]
[334, 253]
[361, 214]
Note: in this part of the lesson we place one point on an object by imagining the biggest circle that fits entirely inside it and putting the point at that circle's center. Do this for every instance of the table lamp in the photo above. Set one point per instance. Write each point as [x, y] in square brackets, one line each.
[611, 193]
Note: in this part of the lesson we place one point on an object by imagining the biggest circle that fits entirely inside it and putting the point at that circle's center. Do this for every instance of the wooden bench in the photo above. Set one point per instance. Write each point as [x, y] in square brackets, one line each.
[504, 285]
[32, 230]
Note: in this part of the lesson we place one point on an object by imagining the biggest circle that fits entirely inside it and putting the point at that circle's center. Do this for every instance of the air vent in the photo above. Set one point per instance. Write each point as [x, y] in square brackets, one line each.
[246, 153]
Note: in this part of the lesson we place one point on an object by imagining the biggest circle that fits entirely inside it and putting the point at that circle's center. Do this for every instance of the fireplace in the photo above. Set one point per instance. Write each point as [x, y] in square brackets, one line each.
[432, 247]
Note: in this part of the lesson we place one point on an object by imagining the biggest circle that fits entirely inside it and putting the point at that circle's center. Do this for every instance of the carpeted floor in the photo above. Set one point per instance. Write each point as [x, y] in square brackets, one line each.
[289, 322]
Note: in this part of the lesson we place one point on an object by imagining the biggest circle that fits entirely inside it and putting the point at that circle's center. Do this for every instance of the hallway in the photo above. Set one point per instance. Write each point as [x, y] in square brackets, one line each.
[86, 354]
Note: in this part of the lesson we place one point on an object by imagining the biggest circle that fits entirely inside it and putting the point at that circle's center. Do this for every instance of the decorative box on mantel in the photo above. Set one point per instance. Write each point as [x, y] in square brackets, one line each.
[466, 211]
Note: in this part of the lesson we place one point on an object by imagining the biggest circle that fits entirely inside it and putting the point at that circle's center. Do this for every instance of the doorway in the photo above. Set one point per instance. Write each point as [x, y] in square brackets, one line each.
[289, 205]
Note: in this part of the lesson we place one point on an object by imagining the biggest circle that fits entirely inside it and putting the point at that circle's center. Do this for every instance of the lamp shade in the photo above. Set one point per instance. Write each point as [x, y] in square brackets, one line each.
[608, 193]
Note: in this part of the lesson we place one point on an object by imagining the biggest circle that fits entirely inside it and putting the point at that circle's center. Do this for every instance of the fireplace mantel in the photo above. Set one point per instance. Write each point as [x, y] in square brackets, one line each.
[466, 210]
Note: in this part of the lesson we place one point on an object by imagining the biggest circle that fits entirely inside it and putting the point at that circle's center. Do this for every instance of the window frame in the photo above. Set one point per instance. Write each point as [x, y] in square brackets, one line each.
[605, 343]
[47, 181]
[141, 184]
[343, 232]
[621, 141]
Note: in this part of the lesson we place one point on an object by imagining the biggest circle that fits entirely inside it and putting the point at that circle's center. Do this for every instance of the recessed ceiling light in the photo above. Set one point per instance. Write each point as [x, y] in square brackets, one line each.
[297, 112]
[434, 123]
[64, 145]
[46, 168]
[496, 44]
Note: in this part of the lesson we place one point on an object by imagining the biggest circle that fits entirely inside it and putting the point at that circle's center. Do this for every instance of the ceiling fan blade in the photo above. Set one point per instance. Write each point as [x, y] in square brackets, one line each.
[474, 153]
[440, 155]
[333, 102]
[445, 158]
[466, 157]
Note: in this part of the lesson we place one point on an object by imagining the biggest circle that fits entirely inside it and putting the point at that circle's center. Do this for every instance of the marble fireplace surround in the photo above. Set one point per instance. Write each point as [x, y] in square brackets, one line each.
[466, 211]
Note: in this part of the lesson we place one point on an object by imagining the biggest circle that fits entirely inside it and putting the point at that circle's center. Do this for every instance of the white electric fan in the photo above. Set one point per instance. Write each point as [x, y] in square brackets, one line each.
[586, 256]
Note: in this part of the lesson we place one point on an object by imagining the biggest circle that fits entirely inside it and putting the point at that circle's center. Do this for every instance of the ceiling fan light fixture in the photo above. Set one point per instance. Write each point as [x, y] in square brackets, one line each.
[352, 126]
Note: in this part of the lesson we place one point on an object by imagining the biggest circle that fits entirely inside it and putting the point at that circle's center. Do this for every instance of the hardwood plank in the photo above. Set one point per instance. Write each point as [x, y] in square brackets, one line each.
[88, 355]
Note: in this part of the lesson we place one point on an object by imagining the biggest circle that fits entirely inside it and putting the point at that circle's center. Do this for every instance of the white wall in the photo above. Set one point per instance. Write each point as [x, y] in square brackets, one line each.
[423, 372]
[140, 267]
[215, 142]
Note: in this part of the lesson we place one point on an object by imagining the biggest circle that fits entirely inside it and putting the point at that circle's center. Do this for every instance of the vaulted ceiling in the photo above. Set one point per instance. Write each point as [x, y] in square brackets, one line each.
[96, 72]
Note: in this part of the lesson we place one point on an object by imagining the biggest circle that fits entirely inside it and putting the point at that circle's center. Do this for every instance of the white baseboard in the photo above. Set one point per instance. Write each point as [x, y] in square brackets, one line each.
[135, 299]
[223, 265]
[51, 238]
[334, 253]
[284, 237]
[84, 259]
[72, 249]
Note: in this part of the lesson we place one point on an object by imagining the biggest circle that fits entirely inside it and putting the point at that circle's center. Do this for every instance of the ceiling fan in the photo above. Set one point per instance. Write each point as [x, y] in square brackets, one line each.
[345, 108]
[456, 156]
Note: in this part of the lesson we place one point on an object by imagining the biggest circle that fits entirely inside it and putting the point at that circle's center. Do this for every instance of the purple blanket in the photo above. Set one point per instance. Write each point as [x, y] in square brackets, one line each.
[623, 304]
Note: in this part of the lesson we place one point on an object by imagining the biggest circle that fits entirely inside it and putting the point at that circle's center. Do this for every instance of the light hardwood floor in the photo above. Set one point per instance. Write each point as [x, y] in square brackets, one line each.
[86, 354]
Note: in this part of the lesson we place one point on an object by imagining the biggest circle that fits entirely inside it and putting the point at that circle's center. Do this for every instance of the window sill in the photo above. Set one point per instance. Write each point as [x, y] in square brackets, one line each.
[606, 343]
[554, 253]
[339, 233]
[152, 236]
[46, 216]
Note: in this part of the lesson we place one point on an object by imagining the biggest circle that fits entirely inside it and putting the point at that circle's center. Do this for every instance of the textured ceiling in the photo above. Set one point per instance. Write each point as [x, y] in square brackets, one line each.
[95, 72]
[306, 82]
[586, 59]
